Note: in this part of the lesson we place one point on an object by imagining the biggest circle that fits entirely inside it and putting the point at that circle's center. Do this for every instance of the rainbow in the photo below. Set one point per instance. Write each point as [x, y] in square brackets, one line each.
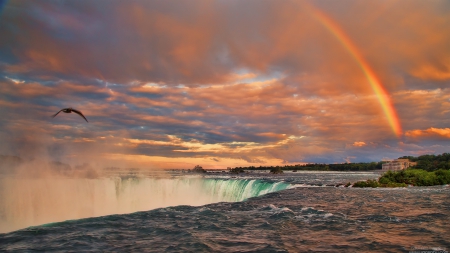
[375, 83]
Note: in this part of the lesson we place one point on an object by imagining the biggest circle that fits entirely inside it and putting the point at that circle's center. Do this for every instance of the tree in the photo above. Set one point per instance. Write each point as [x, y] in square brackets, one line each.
[276, 170]
[198, 169]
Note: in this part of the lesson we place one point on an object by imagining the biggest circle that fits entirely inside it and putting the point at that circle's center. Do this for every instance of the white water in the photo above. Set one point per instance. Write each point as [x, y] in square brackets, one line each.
[29, 202]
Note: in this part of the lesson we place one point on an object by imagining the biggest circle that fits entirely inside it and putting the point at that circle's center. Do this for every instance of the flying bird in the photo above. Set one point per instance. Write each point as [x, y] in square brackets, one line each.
[69, 110]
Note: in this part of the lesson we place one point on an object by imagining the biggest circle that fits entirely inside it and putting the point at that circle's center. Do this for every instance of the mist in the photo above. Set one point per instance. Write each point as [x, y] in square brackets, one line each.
[35, 193]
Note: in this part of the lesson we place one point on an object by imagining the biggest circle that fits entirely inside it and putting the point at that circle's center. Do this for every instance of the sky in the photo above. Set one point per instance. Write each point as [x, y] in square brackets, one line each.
[173, 84]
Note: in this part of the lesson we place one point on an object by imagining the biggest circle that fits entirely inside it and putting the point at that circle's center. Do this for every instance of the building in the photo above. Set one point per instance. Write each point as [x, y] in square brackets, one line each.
[398, 164]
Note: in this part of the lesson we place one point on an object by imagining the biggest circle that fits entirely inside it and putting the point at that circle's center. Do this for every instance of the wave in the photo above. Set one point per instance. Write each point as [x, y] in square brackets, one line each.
[30, 202]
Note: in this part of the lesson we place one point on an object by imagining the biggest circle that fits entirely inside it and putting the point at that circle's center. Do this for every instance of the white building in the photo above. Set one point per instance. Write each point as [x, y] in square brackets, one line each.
[398, 164]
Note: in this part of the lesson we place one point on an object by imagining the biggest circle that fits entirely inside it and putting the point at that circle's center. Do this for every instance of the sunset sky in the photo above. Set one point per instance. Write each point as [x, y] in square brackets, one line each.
[172, 84]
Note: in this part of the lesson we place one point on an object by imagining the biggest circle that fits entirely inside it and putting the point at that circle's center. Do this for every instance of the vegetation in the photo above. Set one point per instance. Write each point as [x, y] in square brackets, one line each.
[236, 170]
[407, 177]
[368, 183]
[276, 170]
[198, 169]
[430, 170]
[320, 167]
[431, 162]
[416, 177]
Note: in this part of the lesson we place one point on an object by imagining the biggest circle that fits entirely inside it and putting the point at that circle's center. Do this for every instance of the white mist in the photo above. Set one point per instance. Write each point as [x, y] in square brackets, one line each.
[28, 202]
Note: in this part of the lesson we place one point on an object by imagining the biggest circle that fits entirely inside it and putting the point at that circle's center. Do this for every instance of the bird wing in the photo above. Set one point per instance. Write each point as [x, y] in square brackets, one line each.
[79, 113]
[54, 115]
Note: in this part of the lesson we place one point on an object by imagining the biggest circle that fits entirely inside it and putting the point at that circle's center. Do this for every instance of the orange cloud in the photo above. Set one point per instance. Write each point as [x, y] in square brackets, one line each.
[359, 144]
[430, 133]
[430, 72]
[259, 80]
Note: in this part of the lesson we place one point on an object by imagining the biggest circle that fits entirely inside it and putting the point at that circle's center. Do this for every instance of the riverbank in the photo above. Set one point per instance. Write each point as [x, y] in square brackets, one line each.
[403, 178]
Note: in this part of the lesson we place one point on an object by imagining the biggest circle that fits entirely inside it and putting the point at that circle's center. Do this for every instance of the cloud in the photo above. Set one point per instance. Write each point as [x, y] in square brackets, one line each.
[430, 72]
[439, 133]
[359, 144]
[242, 82]
[159, 42]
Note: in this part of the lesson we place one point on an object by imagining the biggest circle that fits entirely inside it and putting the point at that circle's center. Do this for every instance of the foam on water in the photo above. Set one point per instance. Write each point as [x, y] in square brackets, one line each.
[301, 219]
[27, 202]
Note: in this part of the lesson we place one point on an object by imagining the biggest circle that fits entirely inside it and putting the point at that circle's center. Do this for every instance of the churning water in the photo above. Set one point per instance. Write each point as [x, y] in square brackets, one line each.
[28, 202]
[288, 213]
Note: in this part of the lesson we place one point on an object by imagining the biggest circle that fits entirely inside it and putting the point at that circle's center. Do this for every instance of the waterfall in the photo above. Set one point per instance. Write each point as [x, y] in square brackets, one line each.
[30, 202]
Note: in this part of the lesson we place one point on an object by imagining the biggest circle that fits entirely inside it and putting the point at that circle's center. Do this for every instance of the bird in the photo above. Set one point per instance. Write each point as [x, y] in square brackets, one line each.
[69, 110]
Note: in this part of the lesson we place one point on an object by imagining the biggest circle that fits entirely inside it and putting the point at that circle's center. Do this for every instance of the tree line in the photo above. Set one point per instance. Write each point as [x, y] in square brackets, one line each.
[430, 162]
[424, 162]
[318, 166]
